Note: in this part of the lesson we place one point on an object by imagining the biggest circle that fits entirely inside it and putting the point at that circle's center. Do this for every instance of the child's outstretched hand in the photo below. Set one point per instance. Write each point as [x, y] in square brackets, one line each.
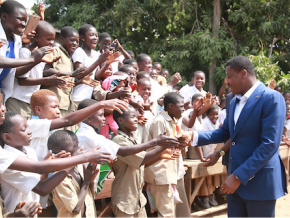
[26, 39]
[97, 156]
[176, 78]
[38, 54]
[27, 209]
[89, 81]
[166, 141]
[41, 10]
[184, 138]
[68, 84]
[50, 58]
[90, 172]
[113, 56]
[103, 57]
[208, 100]
[198, 103]
[142, 120]
[115, 104]
[79, 73]
[2, 43]
[169, 155]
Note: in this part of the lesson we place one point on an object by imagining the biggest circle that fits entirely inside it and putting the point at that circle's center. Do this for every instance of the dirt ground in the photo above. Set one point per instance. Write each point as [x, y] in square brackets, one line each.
[282, 207]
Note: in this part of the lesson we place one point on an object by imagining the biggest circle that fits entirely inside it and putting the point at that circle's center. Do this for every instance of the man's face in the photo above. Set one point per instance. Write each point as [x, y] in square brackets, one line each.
[234, 80]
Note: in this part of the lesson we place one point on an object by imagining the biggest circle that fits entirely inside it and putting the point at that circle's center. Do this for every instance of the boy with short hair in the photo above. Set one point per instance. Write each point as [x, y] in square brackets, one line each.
[32, 78]
[73, 197]
[164, 175]
[68, 44]
[127, 197]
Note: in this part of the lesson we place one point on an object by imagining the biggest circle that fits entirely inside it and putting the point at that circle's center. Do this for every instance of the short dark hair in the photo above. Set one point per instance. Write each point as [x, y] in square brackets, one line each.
[84, 28]
[44, 26]
[117, 114]
[86, 103]
[212, 108]
[141, 57]
[67, 30]
[59, 139]
[130, 61]
[131, 53]
[9, 7]
[141, 74]
[195, 96]
[104, 35]
[239, 63]
[172, 98]
[7, 125]
[125, 68]
[142, 81]
[197, 72]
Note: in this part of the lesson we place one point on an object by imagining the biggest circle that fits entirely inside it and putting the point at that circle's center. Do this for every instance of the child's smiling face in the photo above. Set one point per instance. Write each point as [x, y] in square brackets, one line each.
[213, 116]
[199, 80]
[70, 42]
[91, 38]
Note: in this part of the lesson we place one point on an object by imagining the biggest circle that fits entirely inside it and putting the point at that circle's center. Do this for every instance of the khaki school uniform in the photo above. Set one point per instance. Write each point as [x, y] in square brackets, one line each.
[64, 64]
[163, 173]
[99, 93]
[20, 107]
[65, 197]
[127, 197]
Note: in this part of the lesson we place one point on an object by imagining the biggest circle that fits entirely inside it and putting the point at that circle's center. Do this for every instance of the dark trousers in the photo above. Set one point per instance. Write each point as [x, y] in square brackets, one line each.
[239, 207]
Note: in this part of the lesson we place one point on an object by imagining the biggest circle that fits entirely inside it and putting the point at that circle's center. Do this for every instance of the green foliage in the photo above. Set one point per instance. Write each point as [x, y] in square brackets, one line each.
[265, 70]
[178, 33]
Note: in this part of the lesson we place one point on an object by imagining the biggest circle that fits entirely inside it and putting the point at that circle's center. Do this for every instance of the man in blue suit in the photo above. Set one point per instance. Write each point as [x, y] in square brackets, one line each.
[254, 124]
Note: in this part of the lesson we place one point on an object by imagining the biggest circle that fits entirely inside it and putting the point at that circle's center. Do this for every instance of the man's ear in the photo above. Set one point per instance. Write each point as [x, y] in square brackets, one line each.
[244, 73]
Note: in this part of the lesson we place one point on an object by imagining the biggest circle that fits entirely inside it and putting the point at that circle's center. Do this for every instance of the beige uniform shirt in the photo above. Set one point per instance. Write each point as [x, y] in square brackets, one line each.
[65, 197]
[129, 178]
[162, 172]
[64, 64]
[99, 93]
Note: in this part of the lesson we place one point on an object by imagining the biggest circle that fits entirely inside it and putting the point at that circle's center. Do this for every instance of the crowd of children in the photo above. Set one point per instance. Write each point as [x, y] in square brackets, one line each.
[71, 109]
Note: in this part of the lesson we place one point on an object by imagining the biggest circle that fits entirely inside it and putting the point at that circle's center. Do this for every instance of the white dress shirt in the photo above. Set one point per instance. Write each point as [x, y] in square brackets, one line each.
[239, 107]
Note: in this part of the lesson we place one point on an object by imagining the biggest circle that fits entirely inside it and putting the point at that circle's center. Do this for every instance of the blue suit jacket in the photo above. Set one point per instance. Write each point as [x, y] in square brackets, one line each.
[255, 141]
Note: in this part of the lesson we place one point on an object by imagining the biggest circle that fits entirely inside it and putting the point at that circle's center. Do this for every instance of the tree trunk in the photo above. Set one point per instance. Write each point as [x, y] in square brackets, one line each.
[216, 25]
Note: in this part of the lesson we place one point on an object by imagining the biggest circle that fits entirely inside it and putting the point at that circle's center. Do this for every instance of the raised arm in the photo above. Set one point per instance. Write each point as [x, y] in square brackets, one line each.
[162, 140]
[47, 166]
[84, 113]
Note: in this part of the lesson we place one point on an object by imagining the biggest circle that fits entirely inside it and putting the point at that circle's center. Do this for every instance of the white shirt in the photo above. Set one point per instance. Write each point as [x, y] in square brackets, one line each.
[8, 81]
[40, 133]
[23, 93]
[83, 91]
[208, 125]
[17, 185]
[90, 139]
[6, 159]
[188, 91]
[243, 100]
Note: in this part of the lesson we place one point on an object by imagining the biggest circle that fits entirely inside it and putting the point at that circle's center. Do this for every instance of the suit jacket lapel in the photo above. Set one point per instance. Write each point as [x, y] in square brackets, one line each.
[248, 108]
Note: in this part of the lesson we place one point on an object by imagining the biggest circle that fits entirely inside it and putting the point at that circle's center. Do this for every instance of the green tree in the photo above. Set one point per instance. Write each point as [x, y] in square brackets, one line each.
[179, 33]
